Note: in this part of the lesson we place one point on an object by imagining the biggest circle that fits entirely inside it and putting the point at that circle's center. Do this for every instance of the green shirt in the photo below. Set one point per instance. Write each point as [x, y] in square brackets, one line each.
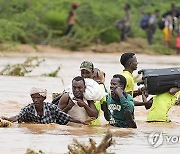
[129, 81]
[161, 105]
[116, 110]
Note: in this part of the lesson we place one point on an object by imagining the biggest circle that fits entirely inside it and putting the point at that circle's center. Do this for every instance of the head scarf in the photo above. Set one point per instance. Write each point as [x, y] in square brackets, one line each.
[40, 91]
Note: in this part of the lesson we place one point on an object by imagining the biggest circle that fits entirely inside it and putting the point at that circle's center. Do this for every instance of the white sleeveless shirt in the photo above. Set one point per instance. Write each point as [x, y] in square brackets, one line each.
[77, 112]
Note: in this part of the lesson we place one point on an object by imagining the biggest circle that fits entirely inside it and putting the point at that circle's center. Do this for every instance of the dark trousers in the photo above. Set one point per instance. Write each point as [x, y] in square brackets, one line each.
[69, 28]
[149, 34]
[125, 32]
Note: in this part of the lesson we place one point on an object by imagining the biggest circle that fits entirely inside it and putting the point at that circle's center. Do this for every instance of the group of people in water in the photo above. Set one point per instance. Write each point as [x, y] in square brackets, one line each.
[82, 101]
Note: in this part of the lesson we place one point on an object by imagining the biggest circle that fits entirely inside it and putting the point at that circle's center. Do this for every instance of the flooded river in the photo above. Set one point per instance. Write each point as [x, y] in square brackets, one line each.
[54, 139]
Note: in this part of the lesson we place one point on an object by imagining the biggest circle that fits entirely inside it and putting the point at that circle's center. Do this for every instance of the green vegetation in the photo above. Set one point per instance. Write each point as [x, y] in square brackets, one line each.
[44, 21]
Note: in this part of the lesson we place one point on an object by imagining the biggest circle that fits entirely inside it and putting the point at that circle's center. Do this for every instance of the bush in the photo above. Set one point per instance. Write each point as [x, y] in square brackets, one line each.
[44, 21]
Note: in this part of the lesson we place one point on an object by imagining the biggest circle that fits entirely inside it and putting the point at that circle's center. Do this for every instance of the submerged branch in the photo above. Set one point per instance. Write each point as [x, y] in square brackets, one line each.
[21, 69]
[79, 148]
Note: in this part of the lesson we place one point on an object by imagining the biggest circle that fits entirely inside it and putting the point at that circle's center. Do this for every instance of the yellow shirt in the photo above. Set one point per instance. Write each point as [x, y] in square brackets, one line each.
[98, 107]
[161, 105]
[130, 82]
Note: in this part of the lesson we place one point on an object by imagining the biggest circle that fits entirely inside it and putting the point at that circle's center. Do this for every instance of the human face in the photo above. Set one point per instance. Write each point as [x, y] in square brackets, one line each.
[115, 82]
[38, 100]
[133, 63]
[86, 73]
[78, 88]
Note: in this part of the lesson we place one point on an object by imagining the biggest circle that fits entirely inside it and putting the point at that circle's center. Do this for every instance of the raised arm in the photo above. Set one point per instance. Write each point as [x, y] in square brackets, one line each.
[123, 100]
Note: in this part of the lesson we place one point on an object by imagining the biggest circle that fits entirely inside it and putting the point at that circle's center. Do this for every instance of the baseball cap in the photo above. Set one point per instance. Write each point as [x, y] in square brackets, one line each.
[87, 65]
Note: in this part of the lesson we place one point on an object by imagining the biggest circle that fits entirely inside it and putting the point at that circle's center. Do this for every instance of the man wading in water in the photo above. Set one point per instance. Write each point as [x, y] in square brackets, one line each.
[77, 106]
[119, 106]
[41, 112]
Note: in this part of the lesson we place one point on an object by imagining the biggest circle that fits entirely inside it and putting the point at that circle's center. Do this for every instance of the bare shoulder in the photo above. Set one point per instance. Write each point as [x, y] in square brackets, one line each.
[64, 97]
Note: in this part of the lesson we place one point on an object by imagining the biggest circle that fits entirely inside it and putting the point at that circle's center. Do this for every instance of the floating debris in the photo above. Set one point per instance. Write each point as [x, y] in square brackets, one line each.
[54, 73]
[78, 148]
[29, 151]
[5, 123]
[55, 95]
[21, 69]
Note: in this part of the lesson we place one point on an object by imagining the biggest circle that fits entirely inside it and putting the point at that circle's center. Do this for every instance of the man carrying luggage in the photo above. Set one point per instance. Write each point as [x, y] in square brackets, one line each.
[160, 104]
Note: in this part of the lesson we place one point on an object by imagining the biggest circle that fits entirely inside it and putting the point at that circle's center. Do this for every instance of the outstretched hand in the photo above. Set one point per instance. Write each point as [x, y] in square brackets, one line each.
[89, 120]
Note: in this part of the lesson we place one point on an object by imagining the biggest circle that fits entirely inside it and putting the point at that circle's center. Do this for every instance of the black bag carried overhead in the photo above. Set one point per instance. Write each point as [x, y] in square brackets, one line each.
[157, 81]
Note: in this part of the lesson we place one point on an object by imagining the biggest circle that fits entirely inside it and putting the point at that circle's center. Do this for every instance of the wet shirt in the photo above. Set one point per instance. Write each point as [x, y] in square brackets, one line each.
[116, 110]
[130, 81]
[161, 105]
[52, 114]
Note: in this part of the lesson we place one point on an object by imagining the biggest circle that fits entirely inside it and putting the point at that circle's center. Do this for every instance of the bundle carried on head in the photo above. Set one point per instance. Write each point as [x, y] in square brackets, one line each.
[93, 90]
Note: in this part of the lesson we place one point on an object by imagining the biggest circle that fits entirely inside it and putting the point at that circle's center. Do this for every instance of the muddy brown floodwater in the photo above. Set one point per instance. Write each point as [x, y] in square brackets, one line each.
[54, 139]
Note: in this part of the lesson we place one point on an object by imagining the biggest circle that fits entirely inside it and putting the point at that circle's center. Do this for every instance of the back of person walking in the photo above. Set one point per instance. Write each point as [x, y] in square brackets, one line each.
[151, 26]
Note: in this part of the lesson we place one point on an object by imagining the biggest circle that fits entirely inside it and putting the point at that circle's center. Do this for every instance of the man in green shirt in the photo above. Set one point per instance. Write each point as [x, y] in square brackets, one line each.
[119, 106]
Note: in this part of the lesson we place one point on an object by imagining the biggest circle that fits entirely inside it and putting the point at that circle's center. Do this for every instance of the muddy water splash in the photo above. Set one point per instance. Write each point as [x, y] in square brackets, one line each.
[53, 138]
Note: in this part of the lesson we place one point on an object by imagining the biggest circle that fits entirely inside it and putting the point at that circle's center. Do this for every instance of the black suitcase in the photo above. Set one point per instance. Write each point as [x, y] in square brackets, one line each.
[157, 81]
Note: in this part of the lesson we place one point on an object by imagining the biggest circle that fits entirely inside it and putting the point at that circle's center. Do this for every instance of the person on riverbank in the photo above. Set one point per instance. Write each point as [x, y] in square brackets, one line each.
[76, 106]
[42, 112]
[151, 26]
[123, 25]
[71, 21]
[160, 105]
[119, 106]
[168, 30]
[178, 43]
